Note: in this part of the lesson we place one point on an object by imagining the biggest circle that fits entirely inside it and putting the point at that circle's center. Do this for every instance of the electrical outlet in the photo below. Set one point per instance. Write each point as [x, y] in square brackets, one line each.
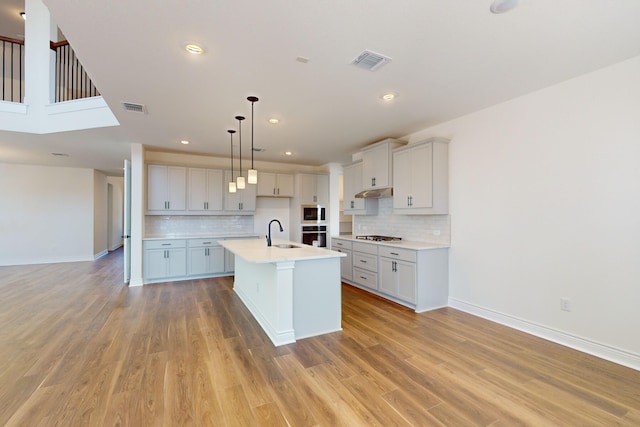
[565, 304]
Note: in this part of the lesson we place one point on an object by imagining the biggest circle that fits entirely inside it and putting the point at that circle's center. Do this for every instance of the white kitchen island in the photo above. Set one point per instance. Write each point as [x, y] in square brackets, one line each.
[293, 293]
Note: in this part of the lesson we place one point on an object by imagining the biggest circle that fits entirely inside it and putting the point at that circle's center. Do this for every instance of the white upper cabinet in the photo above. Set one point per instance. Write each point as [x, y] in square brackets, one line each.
[205, 190]
[377, 164]
[421, 178]
[352, 185]
[313, 189]
[275, 184]
[242, 201]
[166, 189]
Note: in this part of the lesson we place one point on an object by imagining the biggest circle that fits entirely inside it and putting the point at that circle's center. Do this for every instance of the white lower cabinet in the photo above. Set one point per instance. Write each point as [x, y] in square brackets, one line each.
[165, 259]
[346, 263]
[365, 265]
[398, 273]
[206, 256]
[416, 278]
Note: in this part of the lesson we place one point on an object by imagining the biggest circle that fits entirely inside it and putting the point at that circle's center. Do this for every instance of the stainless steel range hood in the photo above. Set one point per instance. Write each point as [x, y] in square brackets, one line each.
[375, 194]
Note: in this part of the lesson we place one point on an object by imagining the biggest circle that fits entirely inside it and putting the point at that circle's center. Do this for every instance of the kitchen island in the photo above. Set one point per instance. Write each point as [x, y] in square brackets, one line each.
[292, 290]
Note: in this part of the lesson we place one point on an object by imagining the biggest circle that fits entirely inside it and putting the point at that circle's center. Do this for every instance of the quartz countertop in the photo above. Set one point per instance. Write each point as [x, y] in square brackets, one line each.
[407, 244]
[200, 236]
[257, 251]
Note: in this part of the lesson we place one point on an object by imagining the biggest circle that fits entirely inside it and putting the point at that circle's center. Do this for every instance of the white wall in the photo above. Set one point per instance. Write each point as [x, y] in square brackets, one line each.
[116, 212]
[46, 214]
[545, 204]
[100, 215]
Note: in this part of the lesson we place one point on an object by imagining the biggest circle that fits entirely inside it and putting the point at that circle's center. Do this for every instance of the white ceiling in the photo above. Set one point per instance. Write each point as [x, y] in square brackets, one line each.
[449, 58]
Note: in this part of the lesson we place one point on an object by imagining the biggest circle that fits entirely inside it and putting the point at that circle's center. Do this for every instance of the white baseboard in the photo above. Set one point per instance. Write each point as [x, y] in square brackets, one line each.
[584, 345]
[45, 260]
[100, 254]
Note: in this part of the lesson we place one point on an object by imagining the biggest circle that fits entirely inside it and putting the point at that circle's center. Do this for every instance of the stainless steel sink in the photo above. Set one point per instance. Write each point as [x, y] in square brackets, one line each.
[286, 246]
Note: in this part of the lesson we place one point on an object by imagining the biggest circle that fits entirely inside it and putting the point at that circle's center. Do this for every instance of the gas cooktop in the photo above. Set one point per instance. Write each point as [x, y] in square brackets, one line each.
[378, 238]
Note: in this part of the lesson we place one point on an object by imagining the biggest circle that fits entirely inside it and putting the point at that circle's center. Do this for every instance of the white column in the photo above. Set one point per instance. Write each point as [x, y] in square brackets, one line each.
[39, 77]
[138, 196]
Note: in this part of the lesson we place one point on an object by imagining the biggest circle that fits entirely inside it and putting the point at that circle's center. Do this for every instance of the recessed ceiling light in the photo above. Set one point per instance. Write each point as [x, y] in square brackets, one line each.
[288, 153]
[193, 48]
[184, 142]
[389, 96]
[274, 121]
[502, 6]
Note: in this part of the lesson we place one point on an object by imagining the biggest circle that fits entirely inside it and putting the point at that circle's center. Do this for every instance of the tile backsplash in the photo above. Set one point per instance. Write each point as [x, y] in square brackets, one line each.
[183, 225]
[410, 227]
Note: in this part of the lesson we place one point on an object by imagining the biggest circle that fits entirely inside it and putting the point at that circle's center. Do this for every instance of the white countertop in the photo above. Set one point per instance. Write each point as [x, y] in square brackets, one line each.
[407, 244]
[200, 236]
[257, 251]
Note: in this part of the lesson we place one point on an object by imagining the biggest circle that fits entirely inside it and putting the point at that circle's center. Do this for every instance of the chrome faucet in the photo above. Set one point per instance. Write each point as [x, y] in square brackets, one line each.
[269, 236]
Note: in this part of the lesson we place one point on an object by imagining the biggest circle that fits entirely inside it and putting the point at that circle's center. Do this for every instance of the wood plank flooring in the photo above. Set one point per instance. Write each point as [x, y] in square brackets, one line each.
[78, 348]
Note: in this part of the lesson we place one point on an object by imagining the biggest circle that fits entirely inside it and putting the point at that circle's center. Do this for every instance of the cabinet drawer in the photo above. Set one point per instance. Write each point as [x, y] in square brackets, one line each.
[368, 248]
[165, 244]
[203, 243]
[403, 254]
[344, 244]
[365, 278]
[365, 261]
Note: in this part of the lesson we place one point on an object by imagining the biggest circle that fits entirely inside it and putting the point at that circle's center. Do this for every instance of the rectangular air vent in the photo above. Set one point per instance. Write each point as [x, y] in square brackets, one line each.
[371, 61]
[134, 108]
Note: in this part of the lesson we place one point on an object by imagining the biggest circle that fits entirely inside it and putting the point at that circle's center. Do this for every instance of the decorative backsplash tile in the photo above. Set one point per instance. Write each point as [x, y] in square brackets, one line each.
[422, 228]
[176, 225]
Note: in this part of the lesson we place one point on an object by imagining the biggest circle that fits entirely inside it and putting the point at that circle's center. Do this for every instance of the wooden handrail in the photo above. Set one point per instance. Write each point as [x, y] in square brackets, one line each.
[10, 40]
[54, 45]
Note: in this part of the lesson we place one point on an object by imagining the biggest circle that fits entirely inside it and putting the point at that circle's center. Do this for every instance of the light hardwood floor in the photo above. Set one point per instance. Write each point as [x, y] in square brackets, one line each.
[79, 348]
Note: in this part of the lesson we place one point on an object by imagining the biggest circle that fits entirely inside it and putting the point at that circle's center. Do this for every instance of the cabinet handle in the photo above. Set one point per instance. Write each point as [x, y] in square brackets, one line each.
[168, 205]
[363, 261]
[363, 278]
[166, 244]
[394, 253]
[274, 191]
[206, 243]
[315, 198]
[278, 191]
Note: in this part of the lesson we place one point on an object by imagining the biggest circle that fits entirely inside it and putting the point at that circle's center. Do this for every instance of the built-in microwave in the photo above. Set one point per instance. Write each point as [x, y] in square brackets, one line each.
[313, 214]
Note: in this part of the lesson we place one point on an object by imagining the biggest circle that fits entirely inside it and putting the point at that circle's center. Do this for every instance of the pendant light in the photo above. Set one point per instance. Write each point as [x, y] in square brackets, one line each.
[240, 181]
[232, 183]
[252, 174]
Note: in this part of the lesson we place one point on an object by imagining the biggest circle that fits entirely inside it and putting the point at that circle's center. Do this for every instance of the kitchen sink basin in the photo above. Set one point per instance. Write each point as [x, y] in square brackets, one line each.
[286, 246]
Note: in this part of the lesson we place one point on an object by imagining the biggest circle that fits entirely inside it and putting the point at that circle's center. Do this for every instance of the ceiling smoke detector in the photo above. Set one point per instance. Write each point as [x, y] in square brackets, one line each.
[371, 61]
[134, 108]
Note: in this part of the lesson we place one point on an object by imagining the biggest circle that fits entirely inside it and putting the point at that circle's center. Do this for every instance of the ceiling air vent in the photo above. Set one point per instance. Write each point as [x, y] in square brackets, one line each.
[371, 61]
[134, 108]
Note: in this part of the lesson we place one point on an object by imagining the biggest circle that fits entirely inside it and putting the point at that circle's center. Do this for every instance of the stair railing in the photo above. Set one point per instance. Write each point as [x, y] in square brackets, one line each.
[72, 81]
[12, 51]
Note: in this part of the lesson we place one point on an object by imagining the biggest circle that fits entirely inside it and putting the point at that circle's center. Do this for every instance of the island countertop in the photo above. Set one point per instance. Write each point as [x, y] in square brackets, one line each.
[257, 251]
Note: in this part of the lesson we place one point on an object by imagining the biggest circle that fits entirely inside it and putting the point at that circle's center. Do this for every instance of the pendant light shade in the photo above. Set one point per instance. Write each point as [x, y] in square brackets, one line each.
[240, 181]
[252, 174]
[232, 184]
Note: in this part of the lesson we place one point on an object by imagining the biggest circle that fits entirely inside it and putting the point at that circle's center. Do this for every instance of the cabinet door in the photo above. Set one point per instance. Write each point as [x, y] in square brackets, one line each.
[346, 265]
[155, 263]
[248, 199]
[197, 198]
[216, 259]
[352, 185]
[266, 184]
[308, 194]
[402, 179]
[375, 167]
[421, 176]
[322, 190]
[215, 187]
[231, 200]
[198, 261]
[156, 187]
[406, 281]
[387, 276]
[176, 262]
[285, 187]
[177, 188]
